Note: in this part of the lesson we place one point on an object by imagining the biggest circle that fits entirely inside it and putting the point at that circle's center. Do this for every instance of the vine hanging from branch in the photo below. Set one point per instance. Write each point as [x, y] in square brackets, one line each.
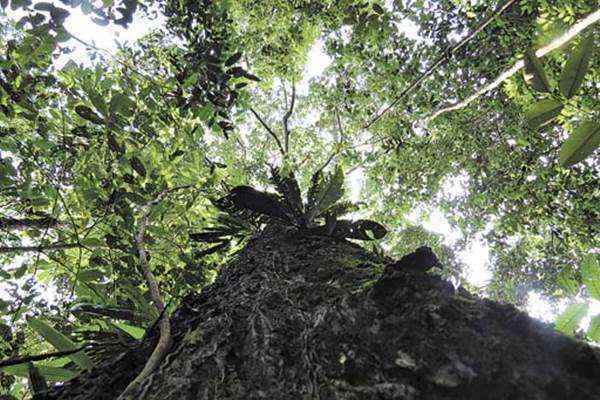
[164, 341]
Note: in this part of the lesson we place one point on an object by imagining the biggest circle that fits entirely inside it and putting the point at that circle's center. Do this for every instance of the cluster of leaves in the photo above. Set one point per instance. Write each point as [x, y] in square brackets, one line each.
[209, 77]
[570, 319]
[118, 12]
[586, 137]
[83, 151]
[245, 210]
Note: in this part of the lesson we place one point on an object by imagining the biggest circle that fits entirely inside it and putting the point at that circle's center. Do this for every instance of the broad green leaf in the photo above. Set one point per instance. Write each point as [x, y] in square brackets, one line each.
[122, 104]
[316, 186]
[567, 283]
[534, 73]
[60, 342]
[593, 331]
[88, 114]
[134, 331]
[330, 192]
[542, 112]
[569, 320]
[88, 275]
[43, 6]
[92, 242]
[582, 142]
[590, 272]
[52, 374]
[98, 101]
[365, 229]
[70, 66]
[37, 383]
[576, 67]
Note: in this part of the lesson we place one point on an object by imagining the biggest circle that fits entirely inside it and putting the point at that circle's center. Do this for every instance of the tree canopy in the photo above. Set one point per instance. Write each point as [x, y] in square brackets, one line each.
[112, 165]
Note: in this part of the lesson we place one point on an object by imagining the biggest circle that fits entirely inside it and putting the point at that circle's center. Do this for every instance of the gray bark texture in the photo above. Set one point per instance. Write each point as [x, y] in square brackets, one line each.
[311, 317]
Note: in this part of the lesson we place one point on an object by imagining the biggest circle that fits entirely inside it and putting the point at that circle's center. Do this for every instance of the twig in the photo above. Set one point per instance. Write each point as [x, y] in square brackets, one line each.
[439, 61]
[269, 130]
[558, 42]
[286, 119]
[26, 223]
[51, 246]
[119, 61]
[164, 341]
[20, 360]
[340, 128]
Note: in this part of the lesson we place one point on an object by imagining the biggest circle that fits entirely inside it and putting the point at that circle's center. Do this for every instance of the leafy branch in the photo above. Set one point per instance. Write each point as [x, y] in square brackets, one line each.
[317, 216]
[441, 60]
[39, 357]
[558, 42]
[42, 248]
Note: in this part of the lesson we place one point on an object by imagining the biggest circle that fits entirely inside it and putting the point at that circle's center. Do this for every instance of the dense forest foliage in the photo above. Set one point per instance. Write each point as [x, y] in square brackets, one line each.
[112, 164]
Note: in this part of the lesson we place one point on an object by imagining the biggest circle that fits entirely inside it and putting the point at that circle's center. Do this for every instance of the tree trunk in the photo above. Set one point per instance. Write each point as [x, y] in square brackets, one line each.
[310, 317]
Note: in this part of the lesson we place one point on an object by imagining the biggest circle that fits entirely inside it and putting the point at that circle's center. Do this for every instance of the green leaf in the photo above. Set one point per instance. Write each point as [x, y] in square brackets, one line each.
[60, 342]
[365, 229]
[43, 6]
[98, 101]
[122, 104]
[582, 142]
[569, 320]
[92, 242]
[37, 383]
[88, 114]
[593, 331]
[316, 186]
[567, 283]
[543, 112]
[590, 272]
[534, 73]
[88, 275]
[134, 331]
[330, 192]
[576, 67]
[52, 374]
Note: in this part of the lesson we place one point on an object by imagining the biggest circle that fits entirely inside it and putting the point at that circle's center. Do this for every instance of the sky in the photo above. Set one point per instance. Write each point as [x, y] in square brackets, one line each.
[475, 256]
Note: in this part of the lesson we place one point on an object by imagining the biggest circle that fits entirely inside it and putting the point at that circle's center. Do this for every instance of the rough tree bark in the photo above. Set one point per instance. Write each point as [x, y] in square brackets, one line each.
[309, 317]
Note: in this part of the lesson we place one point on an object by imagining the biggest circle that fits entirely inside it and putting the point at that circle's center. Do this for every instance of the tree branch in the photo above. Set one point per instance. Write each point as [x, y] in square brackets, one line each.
[269, 130]
[558, 42]
[340, 128]
[439, 62]
[52, 246]
[9, 223]
[20, 360]
[286, 119]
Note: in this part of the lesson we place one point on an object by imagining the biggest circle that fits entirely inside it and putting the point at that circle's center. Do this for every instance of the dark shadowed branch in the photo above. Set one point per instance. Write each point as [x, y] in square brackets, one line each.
[48, 247]
[269, 130]
[286, 120]
[39, 357]
[9, 223]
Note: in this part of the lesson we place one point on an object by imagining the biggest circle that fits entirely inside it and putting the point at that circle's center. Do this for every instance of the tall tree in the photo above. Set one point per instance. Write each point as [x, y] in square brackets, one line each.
[137, 177]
